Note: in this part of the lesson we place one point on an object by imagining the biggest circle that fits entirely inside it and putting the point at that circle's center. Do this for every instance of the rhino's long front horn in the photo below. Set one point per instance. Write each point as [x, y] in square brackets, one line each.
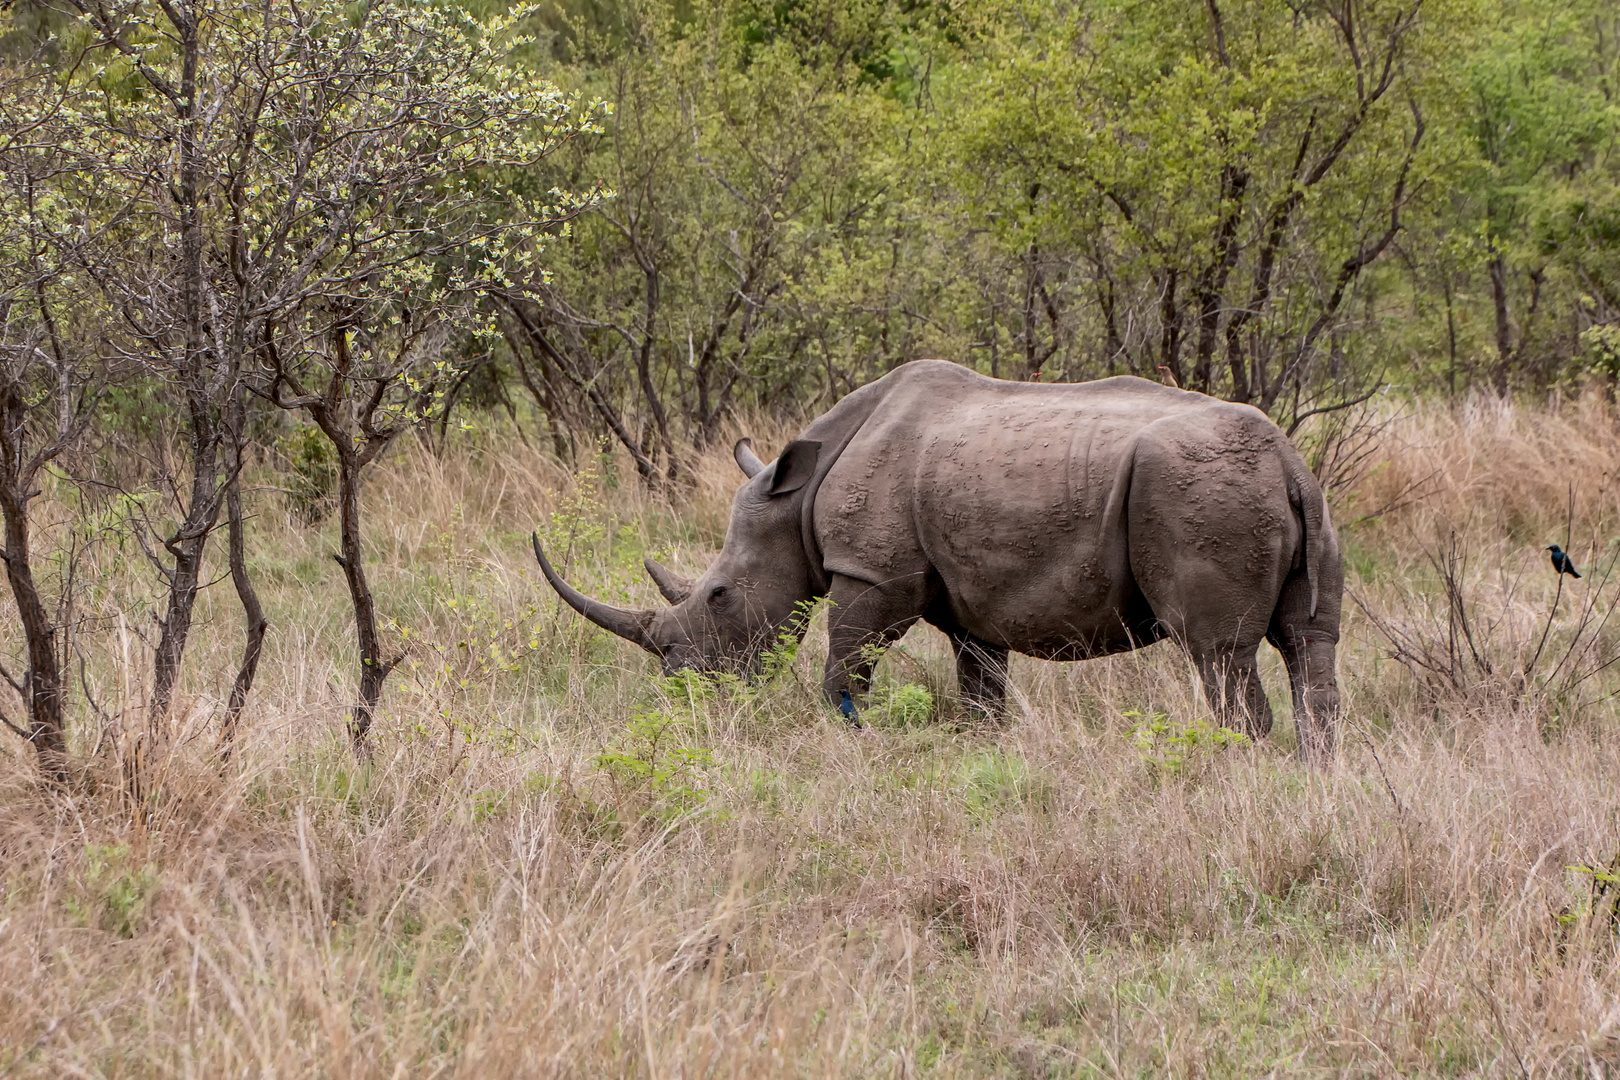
[630, 625]
[674, 587]
[747, 461]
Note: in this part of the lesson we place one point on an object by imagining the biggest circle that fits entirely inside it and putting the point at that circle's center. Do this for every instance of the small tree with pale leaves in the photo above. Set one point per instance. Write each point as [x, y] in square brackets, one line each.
[306, 201]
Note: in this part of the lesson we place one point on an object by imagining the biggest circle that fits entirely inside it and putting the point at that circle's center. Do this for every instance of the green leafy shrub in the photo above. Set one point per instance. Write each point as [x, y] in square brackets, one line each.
[695, 688]
[780, 657]
[995, 780]
[654, 774]
[903, 707]
[580, 520]
[311, 464]
[1601, 351]
[487, 804]
[115, 894]
[1171, 748]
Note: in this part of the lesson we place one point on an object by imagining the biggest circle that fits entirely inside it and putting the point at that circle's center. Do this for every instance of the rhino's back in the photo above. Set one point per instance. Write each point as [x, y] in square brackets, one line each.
[1014, 495]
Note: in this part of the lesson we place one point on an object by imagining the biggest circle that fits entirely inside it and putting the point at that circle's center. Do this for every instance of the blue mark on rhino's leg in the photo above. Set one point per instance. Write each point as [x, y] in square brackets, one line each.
[865, 619]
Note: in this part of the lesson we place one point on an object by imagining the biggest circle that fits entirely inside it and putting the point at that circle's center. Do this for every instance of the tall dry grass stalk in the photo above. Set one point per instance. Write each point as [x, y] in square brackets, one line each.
[560, 866]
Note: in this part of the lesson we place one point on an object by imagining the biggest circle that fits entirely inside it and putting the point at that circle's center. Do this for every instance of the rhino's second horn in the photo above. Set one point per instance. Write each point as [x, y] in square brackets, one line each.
[674, 587]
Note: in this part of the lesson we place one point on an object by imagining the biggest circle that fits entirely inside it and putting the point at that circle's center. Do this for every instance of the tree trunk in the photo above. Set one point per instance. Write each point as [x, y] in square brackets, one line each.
[185, 579]
[254, 614]
[544, 394]
[1113, 344]
[588, 387]
[47, 730]
[1210, 287]
[1451, 337]
[644, 356]
[1170, 327]
[1504, 323]
[373, 669]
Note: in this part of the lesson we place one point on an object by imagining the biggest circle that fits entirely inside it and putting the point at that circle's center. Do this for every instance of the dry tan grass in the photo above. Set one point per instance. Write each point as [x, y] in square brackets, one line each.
[796, 899]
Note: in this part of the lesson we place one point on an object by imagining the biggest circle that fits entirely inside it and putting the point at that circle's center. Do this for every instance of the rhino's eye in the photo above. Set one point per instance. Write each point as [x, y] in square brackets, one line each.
[717, 594]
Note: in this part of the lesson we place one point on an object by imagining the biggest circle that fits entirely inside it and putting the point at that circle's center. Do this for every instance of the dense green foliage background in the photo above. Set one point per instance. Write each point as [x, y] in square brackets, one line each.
[1286, 203]
[1279, 201]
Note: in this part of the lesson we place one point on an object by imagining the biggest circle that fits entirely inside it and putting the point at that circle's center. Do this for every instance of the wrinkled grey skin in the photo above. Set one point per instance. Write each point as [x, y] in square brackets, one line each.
[1059, 521]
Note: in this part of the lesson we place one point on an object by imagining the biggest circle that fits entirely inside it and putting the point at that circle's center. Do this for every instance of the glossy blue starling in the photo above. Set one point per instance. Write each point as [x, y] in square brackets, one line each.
[1562, 562]
[846, 705]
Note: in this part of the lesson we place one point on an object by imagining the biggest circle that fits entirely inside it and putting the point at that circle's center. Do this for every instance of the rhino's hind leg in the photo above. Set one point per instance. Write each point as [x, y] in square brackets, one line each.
[981, 676]
[1308, 641]
[1310, 657]
[1232, 686]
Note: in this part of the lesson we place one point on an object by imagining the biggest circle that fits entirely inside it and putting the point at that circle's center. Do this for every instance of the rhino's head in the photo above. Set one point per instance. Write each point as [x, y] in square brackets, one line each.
[744, 601]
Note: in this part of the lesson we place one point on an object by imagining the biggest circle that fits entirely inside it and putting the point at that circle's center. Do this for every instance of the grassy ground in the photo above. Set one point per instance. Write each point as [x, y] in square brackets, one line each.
[561, 865]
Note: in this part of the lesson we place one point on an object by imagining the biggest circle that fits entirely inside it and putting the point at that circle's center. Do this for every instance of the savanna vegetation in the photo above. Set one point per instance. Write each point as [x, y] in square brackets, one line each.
[310, 313]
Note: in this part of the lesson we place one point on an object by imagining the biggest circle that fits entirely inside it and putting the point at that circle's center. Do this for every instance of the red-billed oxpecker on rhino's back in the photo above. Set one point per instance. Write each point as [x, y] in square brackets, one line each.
[1060, 521]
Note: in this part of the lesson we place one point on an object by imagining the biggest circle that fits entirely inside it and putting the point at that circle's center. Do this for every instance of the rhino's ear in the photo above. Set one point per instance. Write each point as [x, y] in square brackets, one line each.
[795, 467]
[747, 460]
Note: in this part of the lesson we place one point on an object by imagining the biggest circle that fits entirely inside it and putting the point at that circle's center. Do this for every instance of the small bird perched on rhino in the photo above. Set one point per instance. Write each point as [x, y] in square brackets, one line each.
[1562, 562]
[1063, 521]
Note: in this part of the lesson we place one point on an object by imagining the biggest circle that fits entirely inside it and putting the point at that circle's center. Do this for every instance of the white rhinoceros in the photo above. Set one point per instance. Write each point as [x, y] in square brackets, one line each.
[1063, 521]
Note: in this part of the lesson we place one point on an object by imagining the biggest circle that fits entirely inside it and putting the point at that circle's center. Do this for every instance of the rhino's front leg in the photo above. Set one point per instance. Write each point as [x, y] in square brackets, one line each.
[864, 620]
[981, 676]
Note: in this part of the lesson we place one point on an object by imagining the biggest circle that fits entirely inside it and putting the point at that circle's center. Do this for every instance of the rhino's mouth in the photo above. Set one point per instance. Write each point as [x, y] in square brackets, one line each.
[687, 658]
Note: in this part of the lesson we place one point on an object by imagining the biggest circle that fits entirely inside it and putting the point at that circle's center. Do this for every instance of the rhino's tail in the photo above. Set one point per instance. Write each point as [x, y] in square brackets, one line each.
[1311, 504]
